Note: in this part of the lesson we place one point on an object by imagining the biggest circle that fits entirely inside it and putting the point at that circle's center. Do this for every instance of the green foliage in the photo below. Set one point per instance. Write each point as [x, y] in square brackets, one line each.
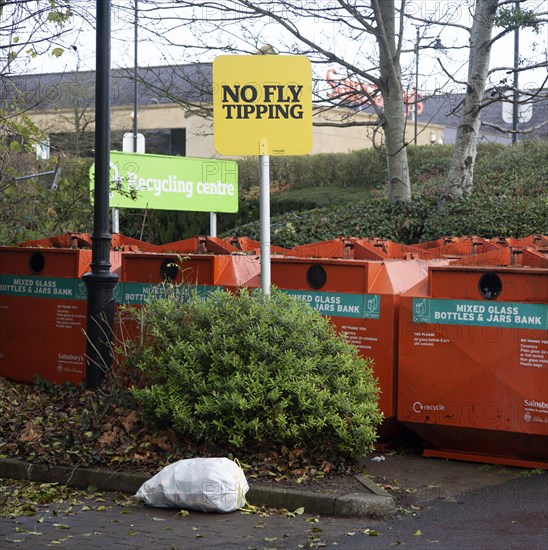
[161, 226]
[57, 52]
[307, 199]
[377, 217]
[517, 17]
[31, 209]
[518, 170]
[509, 199]
[484, 215]
[489, 216]
[254, 371]
[21, 133]
[364, 168]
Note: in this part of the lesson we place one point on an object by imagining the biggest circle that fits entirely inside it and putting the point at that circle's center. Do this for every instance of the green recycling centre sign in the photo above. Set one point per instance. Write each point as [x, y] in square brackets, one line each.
[161, 182]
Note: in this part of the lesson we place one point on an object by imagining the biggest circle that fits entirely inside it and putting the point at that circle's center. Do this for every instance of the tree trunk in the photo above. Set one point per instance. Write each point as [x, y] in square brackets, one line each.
[460, 178]
[399, 184]
[396, 153]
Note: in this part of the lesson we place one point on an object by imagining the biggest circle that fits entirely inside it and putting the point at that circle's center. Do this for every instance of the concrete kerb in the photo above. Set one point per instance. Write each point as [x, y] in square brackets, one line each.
[373, 502]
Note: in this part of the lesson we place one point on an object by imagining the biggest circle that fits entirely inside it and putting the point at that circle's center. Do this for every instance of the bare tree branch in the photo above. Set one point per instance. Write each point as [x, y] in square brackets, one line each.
[510, 131]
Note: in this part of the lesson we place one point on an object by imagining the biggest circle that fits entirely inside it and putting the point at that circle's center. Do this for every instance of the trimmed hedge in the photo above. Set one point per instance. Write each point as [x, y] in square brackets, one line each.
[509, 199]
[419, 220]
[364, 168]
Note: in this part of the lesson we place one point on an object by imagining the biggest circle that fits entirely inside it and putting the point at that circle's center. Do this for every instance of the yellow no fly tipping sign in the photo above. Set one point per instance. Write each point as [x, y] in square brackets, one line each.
[262, 98]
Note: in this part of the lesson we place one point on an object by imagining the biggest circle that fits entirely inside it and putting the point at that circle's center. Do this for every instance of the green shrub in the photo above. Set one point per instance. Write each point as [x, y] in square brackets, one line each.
[364, 168]
[509, 198]
[31, 209]
[489, 216]
[419, 220]
[253, 371]
[372, 218]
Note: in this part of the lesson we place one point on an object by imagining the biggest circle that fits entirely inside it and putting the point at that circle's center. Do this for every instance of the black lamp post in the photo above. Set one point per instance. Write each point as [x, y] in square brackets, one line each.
[100, 282]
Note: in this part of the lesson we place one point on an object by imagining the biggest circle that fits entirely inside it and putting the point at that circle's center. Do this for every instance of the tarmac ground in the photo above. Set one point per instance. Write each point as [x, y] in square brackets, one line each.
[435, 504]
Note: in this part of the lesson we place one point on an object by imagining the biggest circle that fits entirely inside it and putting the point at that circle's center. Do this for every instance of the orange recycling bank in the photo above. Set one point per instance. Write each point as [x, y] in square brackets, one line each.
[43, 305]
[473, 363]
[43, 314]
[360, 298]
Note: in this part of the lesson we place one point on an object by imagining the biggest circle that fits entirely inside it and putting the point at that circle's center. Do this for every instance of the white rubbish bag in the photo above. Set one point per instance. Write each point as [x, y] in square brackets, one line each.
[205, 484]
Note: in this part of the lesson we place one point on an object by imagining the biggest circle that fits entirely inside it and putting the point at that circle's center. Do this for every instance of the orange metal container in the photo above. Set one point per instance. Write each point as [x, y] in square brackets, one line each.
[508, 256]
[199, 245]
[368, 249]
[143, 275]
[43, 305]
[119, 242]
[473, 364]
[359, 249]
[43, 313]
[245, 244]
[361, 299]
[340, 247]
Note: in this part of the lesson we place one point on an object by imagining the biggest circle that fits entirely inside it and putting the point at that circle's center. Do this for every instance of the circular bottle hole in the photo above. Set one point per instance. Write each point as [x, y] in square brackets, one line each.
[490, 286]
[37, 262]
[169, 270]
[316, 277]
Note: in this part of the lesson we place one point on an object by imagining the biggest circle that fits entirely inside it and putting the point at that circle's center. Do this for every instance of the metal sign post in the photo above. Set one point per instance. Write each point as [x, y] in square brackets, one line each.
[264, 213]
[213, 224]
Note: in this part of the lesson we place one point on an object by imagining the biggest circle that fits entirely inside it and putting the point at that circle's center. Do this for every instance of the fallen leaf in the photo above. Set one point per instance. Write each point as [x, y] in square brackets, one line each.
[108, 438]
[315, 519]
[129, 421]
[163, 442]
[139, 456]
[30, 433]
